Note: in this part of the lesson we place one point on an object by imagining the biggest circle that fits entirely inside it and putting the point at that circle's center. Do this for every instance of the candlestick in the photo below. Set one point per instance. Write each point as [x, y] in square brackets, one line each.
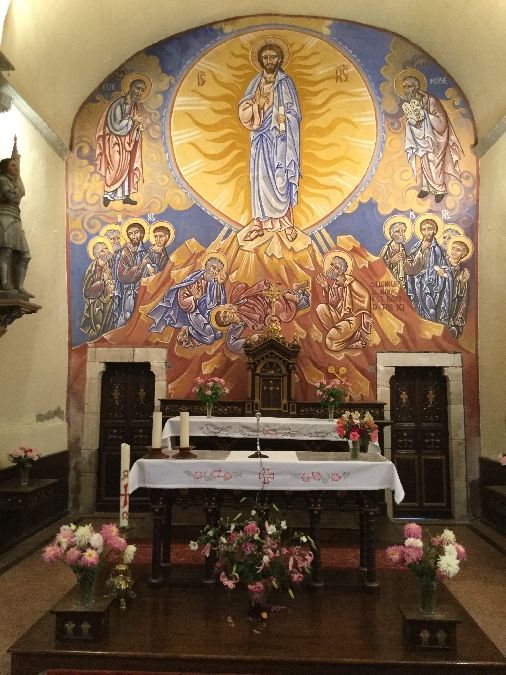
[124, 479]
[156, 436]
[184, 431]
[282, 125]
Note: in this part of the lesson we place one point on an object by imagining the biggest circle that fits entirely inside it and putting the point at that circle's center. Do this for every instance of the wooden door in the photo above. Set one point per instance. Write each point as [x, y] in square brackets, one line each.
[126, 416]
[420, 442]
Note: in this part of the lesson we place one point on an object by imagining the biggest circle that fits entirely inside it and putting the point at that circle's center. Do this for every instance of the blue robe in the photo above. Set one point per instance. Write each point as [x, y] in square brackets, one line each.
[430, 293]
[125, 294]
[275, 156]
[168, 312]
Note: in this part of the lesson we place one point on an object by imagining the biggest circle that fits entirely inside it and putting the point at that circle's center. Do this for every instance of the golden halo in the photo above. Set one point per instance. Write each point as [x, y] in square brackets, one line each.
[429, 216]
[112, 226]
[162, 223]
[131, 221]
[332, 254]
[409, 72]
[465, 240]
[269, 40]
[398, 219]
[212, 319]
[452, 226]
[220, 256]
[98, 240]
[127, 81]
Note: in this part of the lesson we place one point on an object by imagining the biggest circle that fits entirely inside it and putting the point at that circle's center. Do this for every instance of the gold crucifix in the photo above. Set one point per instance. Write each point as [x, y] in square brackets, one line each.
[273, 329]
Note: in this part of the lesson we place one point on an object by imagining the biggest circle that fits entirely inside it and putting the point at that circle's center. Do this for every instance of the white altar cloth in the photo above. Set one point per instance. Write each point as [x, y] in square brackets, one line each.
[298, 428]
[224, 470]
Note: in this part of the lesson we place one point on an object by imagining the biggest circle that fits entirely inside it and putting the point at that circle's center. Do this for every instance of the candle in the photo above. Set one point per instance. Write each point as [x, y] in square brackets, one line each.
[124, 497]
[282, 125]
[184, 431]
[156, 435]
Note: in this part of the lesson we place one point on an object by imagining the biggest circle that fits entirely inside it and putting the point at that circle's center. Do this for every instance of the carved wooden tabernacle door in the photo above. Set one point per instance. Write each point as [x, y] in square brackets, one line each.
[271, 376]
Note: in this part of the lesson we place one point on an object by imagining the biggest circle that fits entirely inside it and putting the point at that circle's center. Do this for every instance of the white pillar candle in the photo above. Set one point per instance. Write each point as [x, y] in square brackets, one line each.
[156, 435]
[282, 125]
[184, 431]
[124, 496]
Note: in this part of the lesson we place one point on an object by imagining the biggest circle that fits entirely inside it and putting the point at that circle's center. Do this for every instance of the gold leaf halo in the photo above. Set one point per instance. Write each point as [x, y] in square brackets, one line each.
[213, 254]
[398, 219]
[98, 240]
[452, 226]
[212, 319]
[429, 216]
[465, 240]
[269, 40]
[162, 223]
[112, 226]
[409, 72]
[133, 221]
[341, 254]
[127, 81]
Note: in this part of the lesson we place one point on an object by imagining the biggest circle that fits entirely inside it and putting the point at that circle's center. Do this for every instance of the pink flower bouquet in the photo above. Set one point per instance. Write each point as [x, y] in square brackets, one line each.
[332, 394]
[357, 427]
[24, 457]
[210, 391]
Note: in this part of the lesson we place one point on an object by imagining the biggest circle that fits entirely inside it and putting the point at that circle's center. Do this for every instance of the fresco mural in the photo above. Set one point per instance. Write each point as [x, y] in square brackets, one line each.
[329, 158]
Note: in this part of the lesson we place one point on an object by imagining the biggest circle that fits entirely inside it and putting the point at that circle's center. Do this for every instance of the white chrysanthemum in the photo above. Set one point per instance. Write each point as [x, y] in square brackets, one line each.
[450, 550]
[128, 554]
[448, 565]
[83, 534]
[283, 524]
[270, 529]
[97, 542]
[411, 541]
[448, 537]
[193, 545]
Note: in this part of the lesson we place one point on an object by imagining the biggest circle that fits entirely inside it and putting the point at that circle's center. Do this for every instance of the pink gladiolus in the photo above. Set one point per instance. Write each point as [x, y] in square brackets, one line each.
[395, 554]
[461, 552]
[251, 529]
[110, 531]
[90, 558]
[206, 550]
[229, 583]
[354, 436]
[412, 554]
[412, 530]
[73, 556]
[297, 577]
[51, 553]
[248, 547]
[256, 587]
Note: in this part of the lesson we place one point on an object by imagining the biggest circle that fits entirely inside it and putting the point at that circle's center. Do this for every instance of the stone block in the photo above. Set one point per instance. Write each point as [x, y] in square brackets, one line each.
[458, 461]
[150, 354]
[459, 501]
[89, 460]
[159, 370]
[88, 493]
[91, 354]
[456, 422]
[383, 394]
[115, 354]
[94, 370]
[93, 395]
[456, 390]
[160, 390]
[91, 433]
[453, 373]
[418, 359]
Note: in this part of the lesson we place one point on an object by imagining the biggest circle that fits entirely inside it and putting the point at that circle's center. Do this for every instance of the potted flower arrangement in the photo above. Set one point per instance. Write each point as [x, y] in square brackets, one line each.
[358, 430]
[502, 458]
[261, 555]
[24, 458]
[332, 395]
[209, 392]
[84, 550]
[436, 559]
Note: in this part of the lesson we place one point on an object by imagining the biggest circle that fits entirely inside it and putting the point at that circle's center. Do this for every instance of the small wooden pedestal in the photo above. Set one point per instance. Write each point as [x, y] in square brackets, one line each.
[74, 623]
[430, 632]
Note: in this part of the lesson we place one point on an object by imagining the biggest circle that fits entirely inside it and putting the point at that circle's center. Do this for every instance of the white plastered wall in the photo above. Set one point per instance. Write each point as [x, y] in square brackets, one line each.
[386, 362]
[97, 358]
[33, 352]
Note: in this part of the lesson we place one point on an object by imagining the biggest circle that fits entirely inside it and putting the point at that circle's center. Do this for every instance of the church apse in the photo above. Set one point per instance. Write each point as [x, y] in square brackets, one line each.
[330, 159]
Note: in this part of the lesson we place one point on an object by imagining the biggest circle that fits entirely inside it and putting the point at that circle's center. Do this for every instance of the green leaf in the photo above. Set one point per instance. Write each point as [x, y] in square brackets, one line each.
[290, 593]
[238, 516]
[275, 507]
[313, 546]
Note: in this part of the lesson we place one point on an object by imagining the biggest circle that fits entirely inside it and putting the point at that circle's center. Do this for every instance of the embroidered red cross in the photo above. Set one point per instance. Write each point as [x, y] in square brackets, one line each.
[266, 476]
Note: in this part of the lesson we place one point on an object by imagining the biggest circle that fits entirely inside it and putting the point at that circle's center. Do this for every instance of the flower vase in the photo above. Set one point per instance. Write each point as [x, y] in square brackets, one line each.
[331, 413]
[354, 450]
[258, 608]
[86, 579]
[209, 407]
[24, 472]
[428, 595]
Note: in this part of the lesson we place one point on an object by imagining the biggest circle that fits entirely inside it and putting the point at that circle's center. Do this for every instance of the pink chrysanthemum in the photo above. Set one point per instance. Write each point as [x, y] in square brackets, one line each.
[412, 531]
[461, 552]
[90, 558]
[395, 554]
[412, 554]
[73, 556]
[117, 543]
[51, 553]
[110, 531]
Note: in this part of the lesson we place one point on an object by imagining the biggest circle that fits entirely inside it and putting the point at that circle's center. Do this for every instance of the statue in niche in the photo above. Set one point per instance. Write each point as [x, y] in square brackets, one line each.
[14, 251]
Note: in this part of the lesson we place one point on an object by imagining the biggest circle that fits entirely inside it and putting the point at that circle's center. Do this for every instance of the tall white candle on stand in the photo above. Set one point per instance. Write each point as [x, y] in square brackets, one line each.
[184, 431]
[156, 436]
[124, 496]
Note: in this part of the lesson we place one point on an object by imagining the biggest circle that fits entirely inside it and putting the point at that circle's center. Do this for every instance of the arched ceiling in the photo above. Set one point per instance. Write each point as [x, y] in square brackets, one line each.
[62, 50]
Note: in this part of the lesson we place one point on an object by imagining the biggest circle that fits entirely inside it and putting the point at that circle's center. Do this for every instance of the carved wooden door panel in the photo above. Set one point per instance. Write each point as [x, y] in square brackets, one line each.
[271, 387]
[420, 442]
[128, 395]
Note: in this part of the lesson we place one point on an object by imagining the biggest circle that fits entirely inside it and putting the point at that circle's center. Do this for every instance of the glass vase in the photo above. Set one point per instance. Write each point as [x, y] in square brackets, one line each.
[258, 603]
[86, 579]
[354, 450]
[331, 413]
[24, 473]
[209, 407]
[428, 595]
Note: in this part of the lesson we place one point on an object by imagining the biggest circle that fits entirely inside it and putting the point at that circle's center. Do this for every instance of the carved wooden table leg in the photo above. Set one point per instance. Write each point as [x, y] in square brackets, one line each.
[212, 511]
[370, 510]
[315, 505]
[167, 536]
[362, 534]
[158, 506]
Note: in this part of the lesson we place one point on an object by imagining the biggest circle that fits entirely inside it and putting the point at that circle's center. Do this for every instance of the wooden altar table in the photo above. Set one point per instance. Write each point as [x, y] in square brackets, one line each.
[280, 474]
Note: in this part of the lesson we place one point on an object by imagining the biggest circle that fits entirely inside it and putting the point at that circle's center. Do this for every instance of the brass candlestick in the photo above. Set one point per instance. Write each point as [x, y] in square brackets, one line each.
[120, 581]
[184, 452]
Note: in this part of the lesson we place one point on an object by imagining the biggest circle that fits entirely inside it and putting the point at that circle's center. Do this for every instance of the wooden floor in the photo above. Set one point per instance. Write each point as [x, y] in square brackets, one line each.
[190, 627]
